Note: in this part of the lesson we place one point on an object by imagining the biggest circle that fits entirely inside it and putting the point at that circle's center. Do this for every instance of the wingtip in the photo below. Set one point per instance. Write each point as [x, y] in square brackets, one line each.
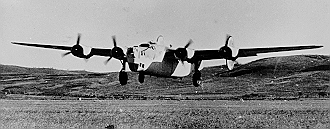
[316, 46]
[15, 43]
[319, 46]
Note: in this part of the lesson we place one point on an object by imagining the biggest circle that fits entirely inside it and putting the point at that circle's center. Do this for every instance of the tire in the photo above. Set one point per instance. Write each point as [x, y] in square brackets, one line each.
[141, 77]
[123, 78]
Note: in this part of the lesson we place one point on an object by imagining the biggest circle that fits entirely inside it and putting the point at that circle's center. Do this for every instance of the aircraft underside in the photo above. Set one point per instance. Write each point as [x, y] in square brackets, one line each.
[168, 68]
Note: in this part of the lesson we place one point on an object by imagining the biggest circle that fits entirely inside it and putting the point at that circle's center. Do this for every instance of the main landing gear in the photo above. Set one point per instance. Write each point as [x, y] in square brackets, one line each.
[197, 80]
[123, 75]
[141, 77]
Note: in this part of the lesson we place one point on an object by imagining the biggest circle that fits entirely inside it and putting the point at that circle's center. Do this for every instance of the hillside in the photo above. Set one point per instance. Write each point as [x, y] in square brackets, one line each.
[11, 69]
[268, 78]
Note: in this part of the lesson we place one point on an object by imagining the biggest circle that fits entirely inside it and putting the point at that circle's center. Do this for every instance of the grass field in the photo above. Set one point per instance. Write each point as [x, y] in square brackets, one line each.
[164, 114]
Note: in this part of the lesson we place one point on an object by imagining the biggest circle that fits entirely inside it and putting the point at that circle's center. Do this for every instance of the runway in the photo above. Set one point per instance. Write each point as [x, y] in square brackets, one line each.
[163, 114]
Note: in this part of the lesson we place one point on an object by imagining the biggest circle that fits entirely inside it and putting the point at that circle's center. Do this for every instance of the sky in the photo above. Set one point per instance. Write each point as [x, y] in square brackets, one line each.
[252, 23]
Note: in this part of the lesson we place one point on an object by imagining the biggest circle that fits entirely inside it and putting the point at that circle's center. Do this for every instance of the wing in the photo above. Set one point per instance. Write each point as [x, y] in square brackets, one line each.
[246, 52]
[254, 51]
[43, 45]
[94, 51]
[207, 55]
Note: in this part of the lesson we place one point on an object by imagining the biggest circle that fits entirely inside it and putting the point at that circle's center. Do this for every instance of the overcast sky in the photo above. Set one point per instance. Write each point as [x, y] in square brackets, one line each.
[252, 23]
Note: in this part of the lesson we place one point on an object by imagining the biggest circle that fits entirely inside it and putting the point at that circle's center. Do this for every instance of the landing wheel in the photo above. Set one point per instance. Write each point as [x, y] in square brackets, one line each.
[197, 78]
[141, 77]
[123, 77]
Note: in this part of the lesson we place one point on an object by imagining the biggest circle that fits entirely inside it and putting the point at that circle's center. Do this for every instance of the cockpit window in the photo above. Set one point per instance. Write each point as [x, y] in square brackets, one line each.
[144, 45]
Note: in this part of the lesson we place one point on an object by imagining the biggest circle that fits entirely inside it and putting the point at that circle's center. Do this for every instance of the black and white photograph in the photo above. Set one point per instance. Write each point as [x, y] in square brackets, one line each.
[164, 64]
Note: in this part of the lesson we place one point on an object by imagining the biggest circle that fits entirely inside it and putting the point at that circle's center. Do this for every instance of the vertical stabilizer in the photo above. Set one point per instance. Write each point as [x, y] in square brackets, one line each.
[160, 39]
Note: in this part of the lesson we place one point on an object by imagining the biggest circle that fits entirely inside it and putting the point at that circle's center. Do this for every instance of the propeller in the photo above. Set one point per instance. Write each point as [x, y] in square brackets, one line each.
[227, 39]
[114, 41]
[65, 54]
[229, 51]
[181, 53]
[75, 48]
[116, 51]
[106, 62]
[78, 40]
[189, 43]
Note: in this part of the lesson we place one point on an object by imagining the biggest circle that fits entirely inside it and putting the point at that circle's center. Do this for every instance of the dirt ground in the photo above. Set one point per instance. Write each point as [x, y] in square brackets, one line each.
[123, 114]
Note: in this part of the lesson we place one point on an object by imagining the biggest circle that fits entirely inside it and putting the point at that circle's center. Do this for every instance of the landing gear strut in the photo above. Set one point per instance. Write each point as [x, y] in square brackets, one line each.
[141, 77]
[197, 80]
[123, 75]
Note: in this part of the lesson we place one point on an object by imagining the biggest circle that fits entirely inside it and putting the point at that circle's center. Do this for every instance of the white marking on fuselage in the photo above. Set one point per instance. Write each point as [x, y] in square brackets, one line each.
[144, 56]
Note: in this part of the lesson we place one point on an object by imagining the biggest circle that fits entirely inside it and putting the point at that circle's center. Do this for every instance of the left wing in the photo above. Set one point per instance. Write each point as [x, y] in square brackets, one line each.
[231, 53]
[246, 52]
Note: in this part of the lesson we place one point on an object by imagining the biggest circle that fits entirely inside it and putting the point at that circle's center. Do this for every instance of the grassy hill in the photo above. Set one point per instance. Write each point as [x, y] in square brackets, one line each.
[268, 78]
[11, 69]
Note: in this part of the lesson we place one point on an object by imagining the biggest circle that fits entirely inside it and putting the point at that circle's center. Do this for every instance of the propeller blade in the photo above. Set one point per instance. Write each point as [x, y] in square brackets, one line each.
[227, 38]
[65, 54]
[230, 64]
[189, 43]
[106, 62]
[78, 40]
[114, 41]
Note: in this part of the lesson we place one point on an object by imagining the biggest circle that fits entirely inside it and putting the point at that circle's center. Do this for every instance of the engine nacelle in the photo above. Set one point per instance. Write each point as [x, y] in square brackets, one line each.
[183, 53]
[229, 52]
[117, 52]
[80, 51]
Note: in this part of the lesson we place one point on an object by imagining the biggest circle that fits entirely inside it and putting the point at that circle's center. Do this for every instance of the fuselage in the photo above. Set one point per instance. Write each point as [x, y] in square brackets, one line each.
[154, 59]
